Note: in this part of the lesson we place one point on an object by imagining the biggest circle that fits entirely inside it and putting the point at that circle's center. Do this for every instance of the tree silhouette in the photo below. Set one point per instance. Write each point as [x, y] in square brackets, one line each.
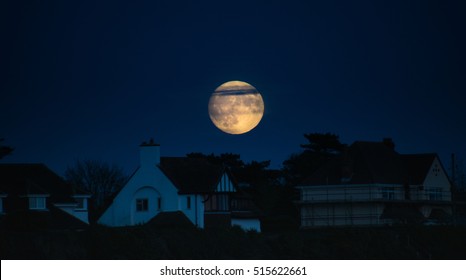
[98, 178]
[254, 173]
[5, 150]
[227, 159]
[263, 185]
[324, 144]
[319, 149]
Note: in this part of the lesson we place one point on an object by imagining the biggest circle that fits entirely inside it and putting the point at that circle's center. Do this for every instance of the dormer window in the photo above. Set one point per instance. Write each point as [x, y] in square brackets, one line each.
[37, 203]
[82, 203]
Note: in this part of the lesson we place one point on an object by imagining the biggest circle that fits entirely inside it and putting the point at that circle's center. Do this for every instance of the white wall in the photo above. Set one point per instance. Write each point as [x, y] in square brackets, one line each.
[196, 212]
[152, 195]
[225, 184]
[437, 178]
[150, 182]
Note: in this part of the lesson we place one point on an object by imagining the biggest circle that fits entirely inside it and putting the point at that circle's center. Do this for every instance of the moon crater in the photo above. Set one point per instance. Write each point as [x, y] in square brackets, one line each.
[236, 107]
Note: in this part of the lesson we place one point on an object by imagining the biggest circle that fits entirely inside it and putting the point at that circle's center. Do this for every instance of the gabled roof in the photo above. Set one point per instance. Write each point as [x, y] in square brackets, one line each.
[188, 175]
[191, 175]
[417, 166]
[30, 179]
[54, 218]
[372, 163]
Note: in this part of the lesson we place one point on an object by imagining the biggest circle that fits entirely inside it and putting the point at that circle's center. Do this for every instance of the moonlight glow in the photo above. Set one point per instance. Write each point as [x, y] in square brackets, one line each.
[236, 107]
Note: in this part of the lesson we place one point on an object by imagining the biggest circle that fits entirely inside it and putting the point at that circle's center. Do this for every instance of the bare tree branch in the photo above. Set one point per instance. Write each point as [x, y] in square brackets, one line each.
[98, 178]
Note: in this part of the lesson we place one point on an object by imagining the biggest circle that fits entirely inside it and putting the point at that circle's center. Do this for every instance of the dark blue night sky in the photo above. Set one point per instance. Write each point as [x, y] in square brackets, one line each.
[93, 79]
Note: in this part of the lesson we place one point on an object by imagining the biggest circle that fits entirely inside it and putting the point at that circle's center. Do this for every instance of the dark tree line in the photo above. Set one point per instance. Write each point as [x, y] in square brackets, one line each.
[316, 152]
[99, 179]
[273, 190]
[4, 150]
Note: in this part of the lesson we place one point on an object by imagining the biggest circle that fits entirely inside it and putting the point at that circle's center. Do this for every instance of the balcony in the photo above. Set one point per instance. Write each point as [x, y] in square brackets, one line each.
[373, 193]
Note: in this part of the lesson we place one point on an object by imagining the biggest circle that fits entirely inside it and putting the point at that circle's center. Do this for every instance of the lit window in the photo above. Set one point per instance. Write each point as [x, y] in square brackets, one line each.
[188, 202]
[142, 205]
[37, 203]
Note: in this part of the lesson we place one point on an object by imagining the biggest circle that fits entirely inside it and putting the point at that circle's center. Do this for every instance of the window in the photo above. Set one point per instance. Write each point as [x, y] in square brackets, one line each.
[82, 203]
[188, 202]
[435, 194]
[1, 205]
[217, 202]
[223, 203]
[436, 170]
[142, 205]
[159, 203]
[37, 203]
[388, 193]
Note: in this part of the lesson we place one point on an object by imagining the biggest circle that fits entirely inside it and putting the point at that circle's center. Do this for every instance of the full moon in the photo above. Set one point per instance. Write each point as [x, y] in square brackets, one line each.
[236, 107]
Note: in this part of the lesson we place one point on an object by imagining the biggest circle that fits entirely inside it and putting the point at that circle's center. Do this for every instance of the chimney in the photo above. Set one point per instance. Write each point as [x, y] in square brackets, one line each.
[388, 142]
[149, 154]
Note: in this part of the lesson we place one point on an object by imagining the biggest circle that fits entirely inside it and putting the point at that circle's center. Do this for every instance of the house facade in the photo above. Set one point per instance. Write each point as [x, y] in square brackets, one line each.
[205, 193]
[34, 194]
[371, 184]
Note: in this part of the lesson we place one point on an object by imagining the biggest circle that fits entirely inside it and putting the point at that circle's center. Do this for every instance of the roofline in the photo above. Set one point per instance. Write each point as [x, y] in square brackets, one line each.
[444, 170]
[159, 166]
[65, 204]
[72, 216]
[421, 154]
[232, 178]
[82, 195]
[104, 210]
[196, 193]
[35, 195]
[224, 170]
[349, 185]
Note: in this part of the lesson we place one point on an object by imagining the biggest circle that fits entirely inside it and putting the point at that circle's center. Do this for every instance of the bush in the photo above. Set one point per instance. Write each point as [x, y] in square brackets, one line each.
[146, 242]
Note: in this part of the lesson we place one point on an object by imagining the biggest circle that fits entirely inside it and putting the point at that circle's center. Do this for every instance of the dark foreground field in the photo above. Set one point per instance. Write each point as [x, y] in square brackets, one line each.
[145, 242]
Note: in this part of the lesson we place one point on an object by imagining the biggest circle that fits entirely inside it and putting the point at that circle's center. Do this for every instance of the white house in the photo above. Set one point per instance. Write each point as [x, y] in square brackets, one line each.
[371, 184]
[205, 193]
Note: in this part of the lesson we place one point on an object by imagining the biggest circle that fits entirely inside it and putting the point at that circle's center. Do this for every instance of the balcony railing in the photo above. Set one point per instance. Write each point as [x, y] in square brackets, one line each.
[373, 193]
